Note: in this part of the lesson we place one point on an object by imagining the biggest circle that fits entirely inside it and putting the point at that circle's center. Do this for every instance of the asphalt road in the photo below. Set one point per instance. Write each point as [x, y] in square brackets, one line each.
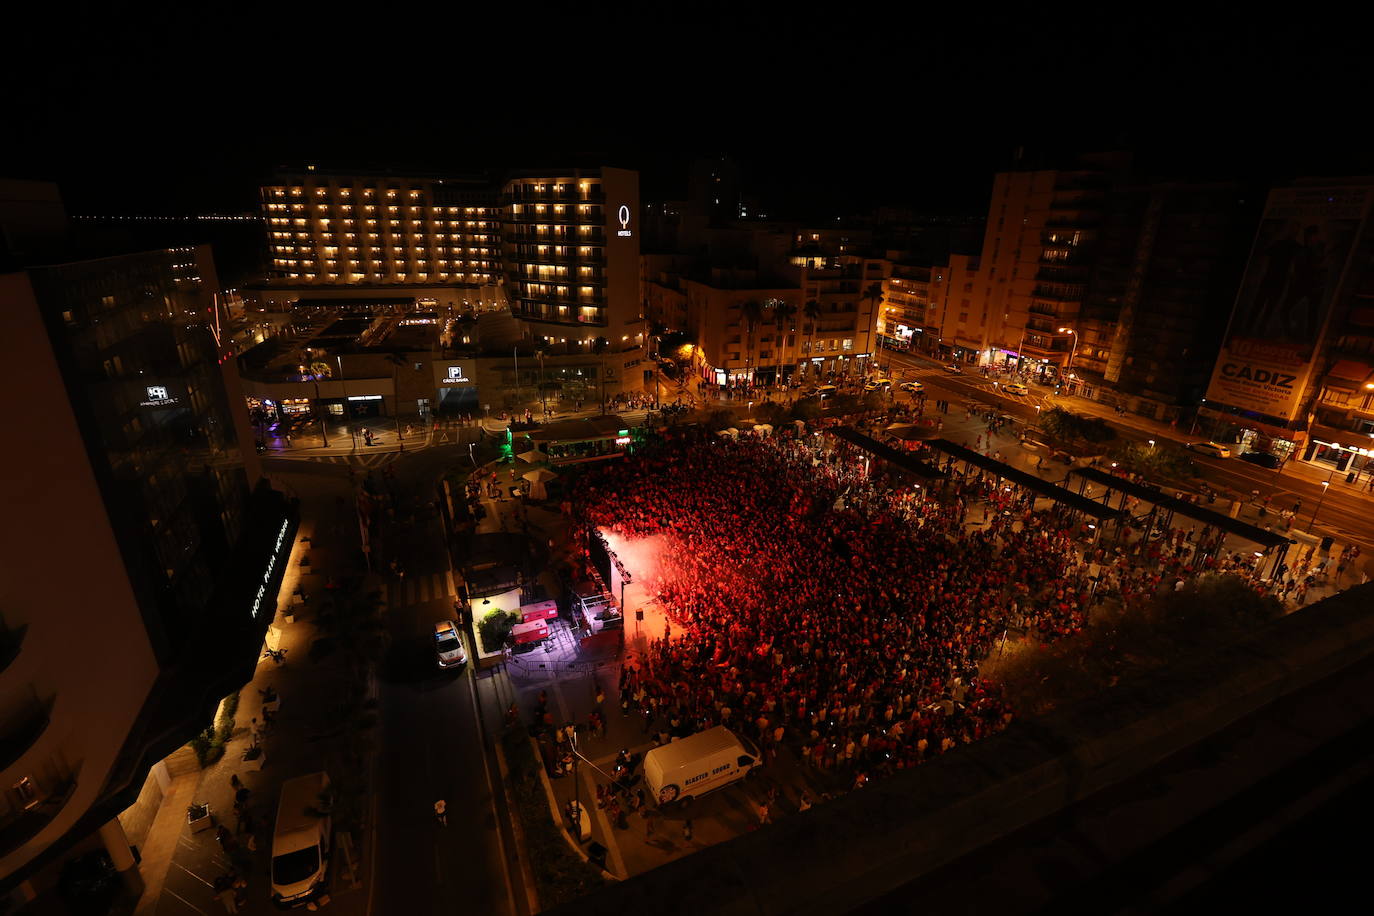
[430, 743]
[1347, 510]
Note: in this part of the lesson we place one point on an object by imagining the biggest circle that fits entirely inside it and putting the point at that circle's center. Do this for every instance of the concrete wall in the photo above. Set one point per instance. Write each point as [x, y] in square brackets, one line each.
[853, 851]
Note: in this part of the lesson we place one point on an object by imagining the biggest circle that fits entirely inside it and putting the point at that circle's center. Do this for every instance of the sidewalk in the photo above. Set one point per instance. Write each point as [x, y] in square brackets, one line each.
[180, 867]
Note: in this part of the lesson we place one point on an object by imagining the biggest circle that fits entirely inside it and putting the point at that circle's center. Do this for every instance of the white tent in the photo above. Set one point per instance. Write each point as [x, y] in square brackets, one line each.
[537, 478]
[532, 456]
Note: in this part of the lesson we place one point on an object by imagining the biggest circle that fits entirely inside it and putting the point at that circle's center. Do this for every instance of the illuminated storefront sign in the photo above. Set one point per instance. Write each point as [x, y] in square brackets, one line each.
[364, 397]
[622, 440]
[624, 216]
[158, 396]
[271, 565]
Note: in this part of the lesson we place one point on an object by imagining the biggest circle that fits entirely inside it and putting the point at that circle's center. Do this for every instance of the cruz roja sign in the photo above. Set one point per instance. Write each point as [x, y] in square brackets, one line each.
[271, 565]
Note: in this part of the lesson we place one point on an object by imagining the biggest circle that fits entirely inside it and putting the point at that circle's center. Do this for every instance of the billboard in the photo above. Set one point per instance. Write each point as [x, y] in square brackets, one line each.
[1295, 266]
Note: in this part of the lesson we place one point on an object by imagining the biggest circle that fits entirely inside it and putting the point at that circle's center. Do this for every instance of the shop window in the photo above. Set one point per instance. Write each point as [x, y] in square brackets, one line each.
[336, 410]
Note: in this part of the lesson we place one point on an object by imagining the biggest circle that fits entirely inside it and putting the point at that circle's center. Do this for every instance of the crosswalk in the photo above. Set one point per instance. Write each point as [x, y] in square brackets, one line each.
[417, 589]
[370, 460]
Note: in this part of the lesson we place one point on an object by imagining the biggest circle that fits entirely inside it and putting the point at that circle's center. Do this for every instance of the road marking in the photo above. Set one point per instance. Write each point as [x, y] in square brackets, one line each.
[471, 676]
[193, 874]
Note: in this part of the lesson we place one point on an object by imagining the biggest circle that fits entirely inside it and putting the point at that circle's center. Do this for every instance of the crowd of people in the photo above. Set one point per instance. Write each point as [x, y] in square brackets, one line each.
[818, 598]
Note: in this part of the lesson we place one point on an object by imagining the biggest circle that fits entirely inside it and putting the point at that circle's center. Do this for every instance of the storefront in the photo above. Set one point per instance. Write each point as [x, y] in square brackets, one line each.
[294, 407]
[455, 389]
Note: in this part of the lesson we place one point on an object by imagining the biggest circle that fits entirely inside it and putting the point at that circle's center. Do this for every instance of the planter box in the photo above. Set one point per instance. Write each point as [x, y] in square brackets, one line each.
[204, 822]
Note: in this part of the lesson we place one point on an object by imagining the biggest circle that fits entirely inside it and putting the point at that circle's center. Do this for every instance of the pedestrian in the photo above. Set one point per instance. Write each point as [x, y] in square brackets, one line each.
[687, 830]
[441, 812]
[229, 897]
[235, 782]
[804, 803]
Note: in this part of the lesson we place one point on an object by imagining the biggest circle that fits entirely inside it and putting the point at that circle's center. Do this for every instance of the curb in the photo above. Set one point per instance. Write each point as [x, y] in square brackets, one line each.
[558, 819]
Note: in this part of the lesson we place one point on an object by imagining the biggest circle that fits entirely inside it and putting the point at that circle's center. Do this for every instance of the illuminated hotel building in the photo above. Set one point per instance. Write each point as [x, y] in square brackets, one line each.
[557, 249]
[571, 249]
[336, 231]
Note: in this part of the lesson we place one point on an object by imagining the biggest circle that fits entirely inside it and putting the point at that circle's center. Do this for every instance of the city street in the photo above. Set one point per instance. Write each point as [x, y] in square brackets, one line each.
[431, 746]
[1344, 513]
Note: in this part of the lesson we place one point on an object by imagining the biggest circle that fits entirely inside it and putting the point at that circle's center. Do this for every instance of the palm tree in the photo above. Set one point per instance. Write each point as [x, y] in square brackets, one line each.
[812, 312]
[751, 313]
[873, 293]
[783, 313]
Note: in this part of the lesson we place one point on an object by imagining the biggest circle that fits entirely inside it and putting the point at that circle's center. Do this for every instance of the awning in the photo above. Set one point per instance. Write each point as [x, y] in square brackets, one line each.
[1350, 371]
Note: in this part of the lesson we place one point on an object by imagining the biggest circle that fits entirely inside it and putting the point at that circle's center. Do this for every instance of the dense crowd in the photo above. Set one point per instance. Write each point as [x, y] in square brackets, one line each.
[816, 605]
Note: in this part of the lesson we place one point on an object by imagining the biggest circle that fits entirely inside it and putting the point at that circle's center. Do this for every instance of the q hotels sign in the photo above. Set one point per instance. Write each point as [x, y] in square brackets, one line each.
[624, 216]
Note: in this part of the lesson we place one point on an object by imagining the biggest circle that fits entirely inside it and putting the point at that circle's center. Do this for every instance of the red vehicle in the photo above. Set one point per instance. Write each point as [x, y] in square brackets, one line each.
[532, 631]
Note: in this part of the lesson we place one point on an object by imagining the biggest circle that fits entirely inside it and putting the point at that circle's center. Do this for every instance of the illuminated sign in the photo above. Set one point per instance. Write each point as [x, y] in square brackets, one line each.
[158, 396]
[271, 565]
[448, 375]
[624, 216]
[364, 397]
[622, 440]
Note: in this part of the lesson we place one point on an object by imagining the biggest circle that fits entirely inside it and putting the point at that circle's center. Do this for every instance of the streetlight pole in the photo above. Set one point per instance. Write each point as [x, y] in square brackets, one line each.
[1326, 484]
[352, 436]
[1073, 348]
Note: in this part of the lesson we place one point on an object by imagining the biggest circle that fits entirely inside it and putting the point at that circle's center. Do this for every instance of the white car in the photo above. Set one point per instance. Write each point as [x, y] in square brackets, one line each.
[953, 369]
[1015, 388]
[878, 384]
[826, 391]
[448, 645]
[1210, 448]
[913, 387]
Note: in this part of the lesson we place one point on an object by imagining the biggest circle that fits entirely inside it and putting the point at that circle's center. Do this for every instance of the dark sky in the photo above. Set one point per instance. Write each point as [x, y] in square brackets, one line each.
[176, 114]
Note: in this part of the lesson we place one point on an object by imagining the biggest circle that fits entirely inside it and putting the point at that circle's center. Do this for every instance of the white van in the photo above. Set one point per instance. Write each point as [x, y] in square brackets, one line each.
[300, 846]
[698, 764]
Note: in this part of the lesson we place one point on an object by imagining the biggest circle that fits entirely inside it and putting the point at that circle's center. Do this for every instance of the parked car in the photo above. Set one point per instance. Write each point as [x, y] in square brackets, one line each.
[953, 368]
[878, 384]
[1015, 388]
[826, 391]
[1213, 449]
[448, 645]
[1263, 459]
[913, 386]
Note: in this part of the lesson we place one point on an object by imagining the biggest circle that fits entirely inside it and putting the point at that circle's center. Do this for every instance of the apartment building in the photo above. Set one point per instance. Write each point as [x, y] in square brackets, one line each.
[1295, 375]
[1168, 259]
[904, 319]
[150, 546]
[746, 332]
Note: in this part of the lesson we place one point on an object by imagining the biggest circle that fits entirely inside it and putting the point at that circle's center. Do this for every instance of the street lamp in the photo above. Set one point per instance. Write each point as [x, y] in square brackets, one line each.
[1313, 520]
[1073, 348]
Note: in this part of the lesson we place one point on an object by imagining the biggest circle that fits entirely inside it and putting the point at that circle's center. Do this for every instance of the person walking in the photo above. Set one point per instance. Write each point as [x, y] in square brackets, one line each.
[687, 830]
[441, 812]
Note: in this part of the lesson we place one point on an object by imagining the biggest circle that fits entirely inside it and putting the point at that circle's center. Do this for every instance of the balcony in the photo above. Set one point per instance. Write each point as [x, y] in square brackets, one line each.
[23, 824]
[1061, 293]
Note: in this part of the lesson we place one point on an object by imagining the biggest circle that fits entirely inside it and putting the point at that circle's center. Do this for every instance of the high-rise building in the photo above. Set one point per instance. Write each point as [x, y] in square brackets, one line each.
[1295, 375]
[143, 552]
[1167, 261]
[1024, 300]
[571, 256]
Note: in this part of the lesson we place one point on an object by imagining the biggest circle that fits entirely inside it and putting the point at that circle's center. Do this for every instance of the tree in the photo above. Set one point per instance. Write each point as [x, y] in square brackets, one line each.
[874, 294]
[812, 311]
[751, 314]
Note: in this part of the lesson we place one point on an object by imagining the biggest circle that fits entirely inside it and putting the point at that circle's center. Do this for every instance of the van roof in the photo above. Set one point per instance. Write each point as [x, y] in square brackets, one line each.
[297, 795]
[701, 744]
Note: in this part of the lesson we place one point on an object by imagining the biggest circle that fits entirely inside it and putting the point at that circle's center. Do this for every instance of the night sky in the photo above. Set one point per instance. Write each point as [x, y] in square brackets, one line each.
[183, 116]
